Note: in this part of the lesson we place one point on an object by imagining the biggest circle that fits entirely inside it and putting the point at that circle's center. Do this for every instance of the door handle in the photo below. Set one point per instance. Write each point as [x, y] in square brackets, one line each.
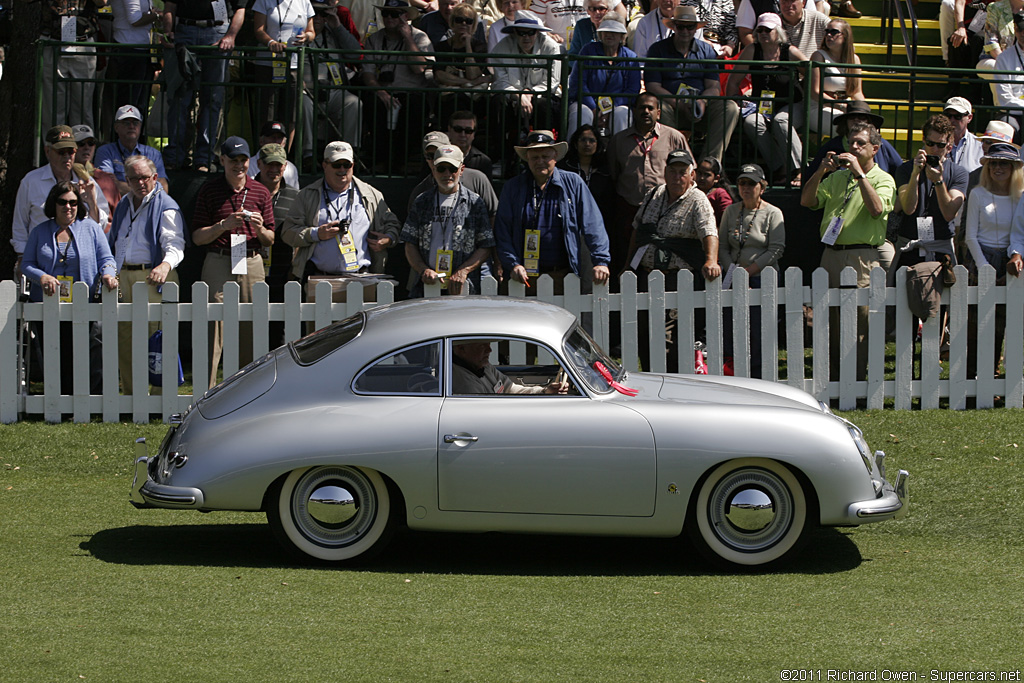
[452, 438]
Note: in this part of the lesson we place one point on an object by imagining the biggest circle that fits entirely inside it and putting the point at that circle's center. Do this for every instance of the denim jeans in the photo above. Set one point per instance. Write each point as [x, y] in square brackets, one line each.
[211, 100]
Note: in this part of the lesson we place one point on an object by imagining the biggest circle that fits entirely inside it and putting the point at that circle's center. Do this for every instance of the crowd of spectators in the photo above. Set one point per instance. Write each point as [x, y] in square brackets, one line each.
[620, 190]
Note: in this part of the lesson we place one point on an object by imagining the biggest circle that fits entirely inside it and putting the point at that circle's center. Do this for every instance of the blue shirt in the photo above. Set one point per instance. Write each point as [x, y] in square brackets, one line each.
[110, 158]
[623, 78]
[670, 78]
[581, 218]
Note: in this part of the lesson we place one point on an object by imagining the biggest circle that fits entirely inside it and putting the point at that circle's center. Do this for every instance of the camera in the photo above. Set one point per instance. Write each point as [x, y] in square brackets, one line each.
[932, 160]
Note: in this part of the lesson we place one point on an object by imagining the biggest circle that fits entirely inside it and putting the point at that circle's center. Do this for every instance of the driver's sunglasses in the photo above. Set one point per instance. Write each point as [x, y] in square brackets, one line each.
[463, 130]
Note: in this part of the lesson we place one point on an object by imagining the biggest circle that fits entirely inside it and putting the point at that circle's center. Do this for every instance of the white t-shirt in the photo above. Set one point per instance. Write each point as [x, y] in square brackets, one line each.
[286, 19]
[745, 13]
[559, 15]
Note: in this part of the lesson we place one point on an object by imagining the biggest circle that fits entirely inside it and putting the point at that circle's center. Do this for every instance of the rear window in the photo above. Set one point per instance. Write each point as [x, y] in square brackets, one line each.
[321, 343]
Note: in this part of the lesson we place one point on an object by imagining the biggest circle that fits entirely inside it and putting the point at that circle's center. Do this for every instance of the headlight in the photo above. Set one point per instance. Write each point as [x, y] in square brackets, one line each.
[862, 446]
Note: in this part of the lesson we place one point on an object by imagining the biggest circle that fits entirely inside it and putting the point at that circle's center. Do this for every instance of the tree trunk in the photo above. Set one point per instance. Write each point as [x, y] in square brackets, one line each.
[17, 127]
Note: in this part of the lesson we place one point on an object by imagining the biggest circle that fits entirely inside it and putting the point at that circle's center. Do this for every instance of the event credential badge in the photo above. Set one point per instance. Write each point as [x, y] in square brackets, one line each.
[64, 284]
[238, 253]
[531, 252]
[443, 265]
[348, 251]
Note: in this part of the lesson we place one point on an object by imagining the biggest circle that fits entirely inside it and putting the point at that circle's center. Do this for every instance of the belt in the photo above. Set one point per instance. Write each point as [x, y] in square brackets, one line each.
[140, 266]
[201, 23]
[249, 253]
[844, 247]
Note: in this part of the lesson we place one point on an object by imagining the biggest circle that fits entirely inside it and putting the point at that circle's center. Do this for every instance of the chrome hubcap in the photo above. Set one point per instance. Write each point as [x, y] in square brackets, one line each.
[333, 506]
[750, 509]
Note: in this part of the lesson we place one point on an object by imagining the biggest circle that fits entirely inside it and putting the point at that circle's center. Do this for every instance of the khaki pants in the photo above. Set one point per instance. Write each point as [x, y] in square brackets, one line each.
[216, 272]
[863, 261]
[127, 278]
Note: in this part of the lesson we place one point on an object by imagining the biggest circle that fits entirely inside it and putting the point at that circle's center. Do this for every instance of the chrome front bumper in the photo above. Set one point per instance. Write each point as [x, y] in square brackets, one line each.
[147, 493]
[892, 504]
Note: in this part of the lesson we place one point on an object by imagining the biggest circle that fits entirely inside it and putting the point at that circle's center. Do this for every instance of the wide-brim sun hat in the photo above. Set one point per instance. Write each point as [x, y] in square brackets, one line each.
[684, 14]
[998, 131]
[862, 108]
[1002, 151]
[540, 139]
[525, 23]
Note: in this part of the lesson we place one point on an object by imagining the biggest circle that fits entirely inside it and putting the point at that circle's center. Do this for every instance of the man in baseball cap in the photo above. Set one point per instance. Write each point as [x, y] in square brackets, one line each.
[60, 149]
[274, 132]
[966, 150]
[110, 157]
[436, 252]
[340, 225]
[474, 180]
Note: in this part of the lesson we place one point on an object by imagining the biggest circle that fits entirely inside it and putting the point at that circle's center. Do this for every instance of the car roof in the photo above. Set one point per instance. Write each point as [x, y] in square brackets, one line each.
[408, 322]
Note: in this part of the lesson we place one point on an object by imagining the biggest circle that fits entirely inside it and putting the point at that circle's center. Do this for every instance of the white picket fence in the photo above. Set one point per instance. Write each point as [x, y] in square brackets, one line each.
[777, 300]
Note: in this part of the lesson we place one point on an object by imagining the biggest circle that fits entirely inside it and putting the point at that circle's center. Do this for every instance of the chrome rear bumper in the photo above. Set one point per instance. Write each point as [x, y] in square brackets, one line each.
[147, 493]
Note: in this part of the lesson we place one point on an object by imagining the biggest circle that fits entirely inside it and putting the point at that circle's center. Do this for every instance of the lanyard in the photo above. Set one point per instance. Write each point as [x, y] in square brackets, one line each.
[328, 205]
[445, 220]
[741, 234]
[642, 142]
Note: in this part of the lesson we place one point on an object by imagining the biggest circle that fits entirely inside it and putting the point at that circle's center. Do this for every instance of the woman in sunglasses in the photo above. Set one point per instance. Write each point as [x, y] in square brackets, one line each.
[468, 71]
[69, 247]
[831, 86]
[987, 222]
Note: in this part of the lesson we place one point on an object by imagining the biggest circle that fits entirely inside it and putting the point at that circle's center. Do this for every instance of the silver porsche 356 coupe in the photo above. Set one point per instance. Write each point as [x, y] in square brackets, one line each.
[495, 414]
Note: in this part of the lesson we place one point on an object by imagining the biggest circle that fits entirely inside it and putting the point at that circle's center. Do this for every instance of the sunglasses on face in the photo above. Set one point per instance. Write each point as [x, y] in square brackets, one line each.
[934, 144]
[67, 202]
[832, 32]
[686, 27]
[1000, 163]
[597, 10]
[463, 130]
[87, 143]
[341, 164]
[763, 30]
[525, 34]
[465, 21]
[391, 13]
[446, 169]
[954, 115]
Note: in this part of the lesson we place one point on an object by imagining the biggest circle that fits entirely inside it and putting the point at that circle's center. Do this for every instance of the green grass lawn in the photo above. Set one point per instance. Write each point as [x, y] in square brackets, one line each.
[93, 589]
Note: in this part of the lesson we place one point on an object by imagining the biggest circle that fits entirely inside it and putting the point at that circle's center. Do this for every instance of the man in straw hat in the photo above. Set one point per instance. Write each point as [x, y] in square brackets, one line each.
[546, 215]
[685, 89]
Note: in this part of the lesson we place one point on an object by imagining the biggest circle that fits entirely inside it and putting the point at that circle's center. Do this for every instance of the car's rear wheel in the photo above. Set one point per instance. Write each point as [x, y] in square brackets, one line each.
[749, 512]
[332, 513]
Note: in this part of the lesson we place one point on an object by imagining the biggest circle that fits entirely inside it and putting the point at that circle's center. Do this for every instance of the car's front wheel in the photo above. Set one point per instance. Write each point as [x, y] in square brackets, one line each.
[749, 512]
[332, 513]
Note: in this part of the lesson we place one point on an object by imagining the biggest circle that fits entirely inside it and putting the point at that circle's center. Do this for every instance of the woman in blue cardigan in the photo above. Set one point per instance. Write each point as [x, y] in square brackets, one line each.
[70, 247]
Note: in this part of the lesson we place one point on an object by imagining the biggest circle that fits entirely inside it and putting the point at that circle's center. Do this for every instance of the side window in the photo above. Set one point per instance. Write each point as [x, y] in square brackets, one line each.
[493, 366]
[413, 370]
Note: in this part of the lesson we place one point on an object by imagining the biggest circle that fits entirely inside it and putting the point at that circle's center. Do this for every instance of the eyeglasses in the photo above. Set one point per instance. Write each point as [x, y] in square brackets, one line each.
[832, 32]
[463, 130]
[954, 115]
[934, 144]
[67, 202]
[525, 34]
[686, 27]
[136, 178]
[466, 21]
[597, 10]
[67, 152]
[391, 13]
[341, 164]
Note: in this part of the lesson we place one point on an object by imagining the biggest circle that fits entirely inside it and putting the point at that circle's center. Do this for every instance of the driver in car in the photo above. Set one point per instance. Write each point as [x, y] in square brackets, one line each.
[472, 373]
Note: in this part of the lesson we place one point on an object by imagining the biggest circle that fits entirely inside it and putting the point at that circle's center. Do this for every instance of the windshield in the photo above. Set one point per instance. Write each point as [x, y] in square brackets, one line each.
[591, 362]
[313, 347]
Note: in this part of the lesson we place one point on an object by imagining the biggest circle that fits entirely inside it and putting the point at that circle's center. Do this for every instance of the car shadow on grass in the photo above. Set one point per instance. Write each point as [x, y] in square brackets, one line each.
[252, 545]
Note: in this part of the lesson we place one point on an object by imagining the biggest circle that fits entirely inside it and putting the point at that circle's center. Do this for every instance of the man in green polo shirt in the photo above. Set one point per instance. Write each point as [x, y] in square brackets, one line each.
[857, 197]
